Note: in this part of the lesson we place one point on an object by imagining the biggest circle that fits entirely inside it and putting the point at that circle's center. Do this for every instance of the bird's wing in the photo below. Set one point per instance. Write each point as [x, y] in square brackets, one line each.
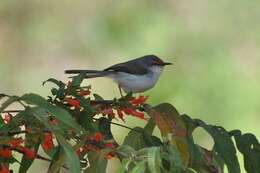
[128, 67]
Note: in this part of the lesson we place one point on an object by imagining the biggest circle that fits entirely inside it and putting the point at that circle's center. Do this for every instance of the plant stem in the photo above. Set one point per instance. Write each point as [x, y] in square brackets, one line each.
[12, 111]
[121, 125]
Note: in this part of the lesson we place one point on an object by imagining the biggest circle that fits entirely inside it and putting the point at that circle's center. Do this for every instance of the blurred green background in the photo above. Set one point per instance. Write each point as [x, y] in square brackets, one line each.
[214, 46]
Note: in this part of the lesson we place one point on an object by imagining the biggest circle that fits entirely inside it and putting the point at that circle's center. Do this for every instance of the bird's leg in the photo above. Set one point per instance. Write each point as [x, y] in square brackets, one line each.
[120, 90]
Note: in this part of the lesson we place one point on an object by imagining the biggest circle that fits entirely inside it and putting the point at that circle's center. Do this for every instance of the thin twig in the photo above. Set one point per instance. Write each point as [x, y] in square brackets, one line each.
[12, 111]
[106, 102]
[121, 125]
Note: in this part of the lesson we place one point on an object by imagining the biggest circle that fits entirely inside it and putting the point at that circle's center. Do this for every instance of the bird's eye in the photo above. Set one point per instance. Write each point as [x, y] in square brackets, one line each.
[157, 62]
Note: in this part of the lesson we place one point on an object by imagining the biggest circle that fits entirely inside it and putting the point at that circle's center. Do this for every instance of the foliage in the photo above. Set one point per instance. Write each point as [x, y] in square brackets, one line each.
[73, 127]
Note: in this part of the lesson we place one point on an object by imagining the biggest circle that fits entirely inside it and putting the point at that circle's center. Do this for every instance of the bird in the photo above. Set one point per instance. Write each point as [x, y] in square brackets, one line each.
[135, 76]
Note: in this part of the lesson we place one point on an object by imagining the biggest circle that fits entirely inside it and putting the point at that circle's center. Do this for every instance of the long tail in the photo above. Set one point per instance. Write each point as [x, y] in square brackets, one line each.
[89, 73]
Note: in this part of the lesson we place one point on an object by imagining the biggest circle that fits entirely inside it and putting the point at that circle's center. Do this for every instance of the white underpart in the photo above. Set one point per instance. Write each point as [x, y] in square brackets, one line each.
[137, 83]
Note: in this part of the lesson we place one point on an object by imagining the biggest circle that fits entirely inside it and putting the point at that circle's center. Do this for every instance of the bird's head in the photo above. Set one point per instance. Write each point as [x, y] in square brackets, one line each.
[155, 61]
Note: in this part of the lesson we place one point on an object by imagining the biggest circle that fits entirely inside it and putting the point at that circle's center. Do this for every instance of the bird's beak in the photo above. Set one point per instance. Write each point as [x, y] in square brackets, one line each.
[161, 63]
[166, 63]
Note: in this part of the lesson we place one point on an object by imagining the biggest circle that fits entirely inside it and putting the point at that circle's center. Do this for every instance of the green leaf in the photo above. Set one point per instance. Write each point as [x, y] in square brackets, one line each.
[72, 159]
[98, 163]
[85, 103]
[149, 139]
[60, 84]
[139, 138]
[197, 159]
[249, 146]
[35, 99]
[172, 127]
[59, 113]
[54, 91]
[97, 97]
[190, 171]
[172, 160]
[210, 163]
[40, 114]
[86, 121]
[223, 145]
[140, 167]
[154, 159]
[126, 151]
[202, 160]
[59, 93]
[58, 161]
[135, 138]
[149, 127]
[77, 80]
[124, 166]
[190, 124]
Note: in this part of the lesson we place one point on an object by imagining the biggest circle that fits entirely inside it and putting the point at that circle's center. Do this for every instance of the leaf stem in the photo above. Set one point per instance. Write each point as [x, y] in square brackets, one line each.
[121, 125]
[12, 111]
